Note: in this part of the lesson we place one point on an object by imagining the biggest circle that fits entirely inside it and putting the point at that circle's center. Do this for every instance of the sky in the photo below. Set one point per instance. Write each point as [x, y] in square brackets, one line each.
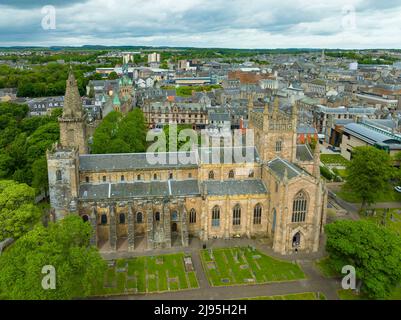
[347, 24]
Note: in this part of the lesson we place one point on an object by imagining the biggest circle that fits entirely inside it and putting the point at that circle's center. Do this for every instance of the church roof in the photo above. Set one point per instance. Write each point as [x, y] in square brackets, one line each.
[235, 187]
[304, 153]
[134, 161]
[279, 166]
[139, 189]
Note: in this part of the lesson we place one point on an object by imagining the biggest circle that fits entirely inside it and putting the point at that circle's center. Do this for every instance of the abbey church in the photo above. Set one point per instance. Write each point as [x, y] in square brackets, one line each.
[274, 192]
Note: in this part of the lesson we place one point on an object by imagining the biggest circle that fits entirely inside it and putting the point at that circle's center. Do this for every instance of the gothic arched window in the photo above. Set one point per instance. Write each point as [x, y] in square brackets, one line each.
[192, 216]
[211, 175]
[122, 218]
[157, 216]
[257, 214]
[237, 215]
[58, 175]
[216, 216]
[299, 207]
[231, 174]
[139, 217]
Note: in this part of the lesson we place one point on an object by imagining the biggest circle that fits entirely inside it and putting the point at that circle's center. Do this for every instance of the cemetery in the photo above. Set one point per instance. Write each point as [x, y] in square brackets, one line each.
[148, 274]
[246, 265]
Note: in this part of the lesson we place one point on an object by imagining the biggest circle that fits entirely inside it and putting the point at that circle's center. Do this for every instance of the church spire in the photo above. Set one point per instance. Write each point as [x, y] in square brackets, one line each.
[73, 121]
[72, 100]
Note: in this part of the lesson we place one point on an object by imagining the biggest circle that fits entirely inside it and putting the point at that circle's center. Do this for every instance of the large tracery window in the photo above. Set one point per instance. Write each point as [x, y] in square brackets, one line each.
[237, 215]
[216, 216]
[299, 207]
[192, 216]
[257, 214]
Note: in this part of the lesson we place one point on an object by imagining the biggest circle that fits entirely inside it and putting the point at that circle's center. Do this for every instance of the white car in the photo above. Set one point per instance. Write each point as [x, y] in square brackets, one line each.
[398, 189]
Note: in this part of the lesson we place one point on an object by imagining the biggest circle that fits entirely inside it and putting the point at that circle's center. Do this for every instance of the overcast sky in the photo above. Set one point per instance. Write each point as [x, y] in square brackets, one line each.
[204, 23]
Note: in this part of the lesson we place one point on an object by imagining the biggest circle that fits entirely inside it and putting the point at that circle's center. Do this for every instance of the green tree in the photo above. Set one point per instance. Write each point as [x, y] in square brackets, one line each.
[176, 144]
[39, 175]
[368, 174]
[373, 250]
[120, 134]
[63, 245]
[17, 210]
[113, 76]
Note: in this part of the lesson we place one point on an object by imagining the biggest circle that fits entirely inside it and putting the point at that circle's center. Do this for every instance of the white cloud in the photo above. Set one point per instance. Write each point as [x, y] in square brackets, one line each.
[209, 23]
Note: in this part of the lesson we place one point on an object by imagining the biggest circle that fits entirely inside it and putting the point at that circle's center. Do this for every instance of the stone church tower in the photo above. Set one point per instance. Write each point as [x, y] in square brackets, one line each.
[73, 121]
[63, 158]
[275, 132]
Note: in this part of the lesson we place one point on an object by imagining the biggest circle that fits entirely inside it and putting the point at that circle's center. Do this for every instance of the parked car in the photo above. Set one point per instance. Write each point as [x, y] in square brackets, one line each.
[398, 189]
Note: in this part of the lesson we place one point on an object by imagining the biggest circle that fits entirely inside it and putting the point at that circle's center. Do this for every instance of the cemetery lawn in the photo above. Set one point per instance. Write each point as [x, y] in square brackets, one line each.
[236, 266]
[147, 275]
[392, 222]
[295, 296]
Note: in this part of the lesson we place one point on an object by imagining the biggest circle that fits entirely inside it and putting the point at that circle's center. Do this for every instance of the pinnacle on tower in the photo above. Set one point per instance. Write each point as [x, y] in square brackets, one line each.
[72, 100]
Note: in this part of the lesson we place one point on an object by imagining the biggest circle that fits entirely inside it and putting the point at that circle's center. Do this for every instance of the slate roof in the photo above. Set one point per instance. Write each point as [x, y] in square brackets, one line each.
[279, 165]
[139, 189]
[235, 187]
[304, 153]
[217, 116]
[372, 134]
[132, 161]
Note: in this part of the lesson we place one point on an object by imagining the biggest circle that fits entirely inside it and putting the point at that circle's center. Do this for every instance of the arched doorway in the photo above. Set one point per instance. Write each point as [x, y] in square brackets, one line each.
[296, 240]
[174, 227]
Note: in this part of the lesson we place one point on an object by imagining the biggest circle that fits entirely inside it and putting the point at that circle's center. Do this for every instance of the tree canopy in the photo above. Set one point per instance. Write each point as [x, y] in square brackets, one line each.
[23, 144]
[368, 173]
[119, 133]
[18, 213]
[373, 250]
[63, 245]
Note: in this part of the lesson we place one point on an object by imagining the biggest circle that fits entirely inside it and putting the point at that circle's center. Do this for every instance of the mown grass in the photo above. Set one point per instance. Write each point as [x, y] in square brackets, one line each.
[234, 266]
[295, 296]
[147, 275]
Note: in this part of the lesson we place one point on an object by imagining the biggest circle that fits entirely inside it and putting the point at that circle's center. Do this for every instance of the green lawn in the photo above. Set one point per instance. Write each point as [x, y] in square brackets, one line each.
[333, 159]
[350, 196]
[146, 275]
[295, 296]
[233, 266]
[326, 268]
[393, 224]
[350, 295]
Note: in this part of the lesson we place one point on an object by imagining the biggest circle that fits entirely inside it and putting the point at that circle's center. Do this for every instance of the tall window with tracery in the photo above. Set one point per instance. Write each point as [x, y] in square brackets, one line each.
[216, 216]
[299, 208]
[237, 215]
[257, 214]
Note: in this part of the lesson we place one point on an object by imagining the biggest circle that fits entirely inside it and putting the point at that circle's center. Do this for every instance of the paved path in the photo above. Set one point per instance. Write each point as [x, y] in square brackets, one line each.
[314, 281]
